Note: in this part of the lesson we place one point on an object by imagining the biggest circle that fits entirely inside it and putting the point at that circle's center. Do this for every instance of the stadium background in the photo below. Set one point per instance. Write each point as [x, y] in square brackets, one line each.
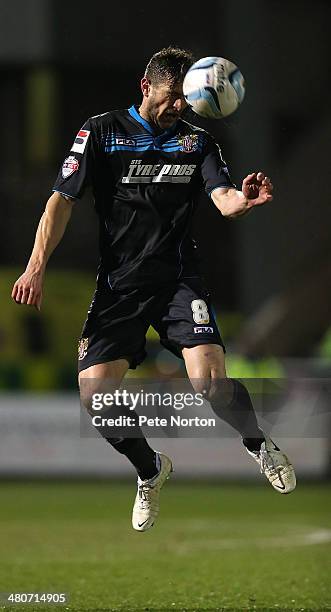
[270, 276]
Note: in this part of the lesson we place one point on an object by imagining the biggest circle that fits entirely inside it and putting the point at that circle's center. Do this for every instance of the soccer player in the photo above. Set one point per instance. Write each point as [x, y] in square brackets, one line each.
[146, 166]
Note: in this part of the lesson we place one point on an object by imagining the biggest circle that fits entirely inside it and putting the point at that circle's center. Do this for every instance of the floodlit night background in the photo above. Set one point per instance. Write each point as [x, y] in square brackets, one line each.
[269, 274]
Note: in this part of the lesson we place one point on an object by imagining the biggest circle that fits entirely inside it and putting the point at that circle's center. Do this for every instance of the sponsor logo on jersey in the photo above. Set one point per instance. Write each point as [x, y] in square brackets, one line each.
[203, 330]
[128, 142]
[80, 141]
[158, 173]
[200, 311]
[70, 165]
[188, 143]
[82, 348]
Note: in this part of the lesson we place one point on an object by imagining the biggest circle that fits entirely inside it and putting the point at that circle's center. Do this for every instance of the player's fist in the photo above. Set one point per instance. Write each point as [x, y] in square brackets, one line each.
[257, 188]
[28, 289]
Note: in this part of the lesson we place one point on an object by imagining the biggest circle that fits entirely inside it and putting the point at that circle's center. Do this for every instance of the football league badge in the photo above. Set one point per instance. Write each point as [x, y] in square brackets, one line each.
[70, 165]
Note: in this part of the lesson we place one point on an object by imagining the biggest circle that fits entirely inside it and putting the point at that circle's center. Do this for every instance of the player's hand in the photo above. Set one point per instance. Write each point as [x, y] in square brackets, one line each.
[28, 289]
[257, 188]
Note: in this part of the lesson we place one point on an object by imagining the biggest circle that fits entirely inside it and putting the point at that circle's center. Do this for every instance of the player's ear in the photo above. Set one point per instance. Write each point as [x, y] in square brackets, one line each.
[145, 85]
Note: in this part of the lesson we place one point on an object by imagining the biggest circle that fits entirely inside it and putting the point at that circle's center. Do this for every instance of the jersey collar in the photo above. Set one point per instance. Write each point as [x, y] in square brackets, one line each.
[133, 111]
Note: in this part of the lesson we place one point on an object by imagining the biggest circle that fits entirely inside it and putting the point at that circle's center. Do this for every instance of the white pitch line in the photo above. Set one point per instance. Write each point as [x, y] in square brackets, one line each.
[319, 536]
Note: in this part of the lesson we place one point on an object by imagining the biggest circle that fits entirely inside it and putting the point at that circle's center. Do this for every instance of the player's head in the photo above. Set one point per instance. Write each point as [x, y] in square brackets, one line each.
[162, 86]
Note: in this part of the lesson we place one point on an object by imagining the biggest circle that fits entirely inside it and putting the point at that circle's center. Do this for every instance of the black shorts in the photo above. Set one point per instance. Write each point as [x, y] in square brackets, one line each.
[117, 322]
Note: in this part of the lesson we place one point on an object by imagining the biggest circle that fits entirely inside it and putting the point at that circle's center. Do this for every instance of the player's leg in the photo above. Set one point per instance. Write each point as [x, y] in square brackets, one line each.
[108, 377]
[230, 400]
[113, 338]
[153, 467]
[188, 328]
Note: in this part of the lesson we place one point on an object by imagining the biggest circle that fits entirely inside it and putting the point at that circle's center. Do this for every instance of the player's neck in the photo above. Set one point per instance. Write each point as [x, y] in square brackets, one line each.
[143, 112]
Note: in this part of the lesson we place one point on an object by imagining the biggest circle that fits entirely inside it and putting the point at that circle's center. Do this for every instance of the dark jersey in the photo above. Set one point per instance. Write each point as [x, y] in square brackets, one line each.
[145, 187]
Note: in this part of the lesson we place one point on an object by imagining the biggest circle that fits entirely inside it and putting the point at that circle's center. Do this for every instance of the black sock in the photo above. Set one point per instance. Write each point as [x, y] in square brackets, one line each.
[135, 447]
[239, 412]
[253, 444]
[138, 451]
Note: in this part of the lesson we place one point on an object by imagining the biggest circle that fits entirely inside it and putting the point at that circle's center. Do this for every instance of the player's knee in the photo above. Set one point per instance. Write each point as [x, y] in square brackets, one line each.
[91, 397]
[201, 384]
[87, 400]
[214, 389]
[204, 363]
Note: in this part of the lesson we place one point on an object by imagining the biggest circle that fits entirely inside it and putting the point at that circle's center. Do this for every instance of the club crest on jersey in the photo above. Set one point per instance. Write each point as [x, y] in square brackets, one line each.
[70, 165]
[188, 143]
[82, 348]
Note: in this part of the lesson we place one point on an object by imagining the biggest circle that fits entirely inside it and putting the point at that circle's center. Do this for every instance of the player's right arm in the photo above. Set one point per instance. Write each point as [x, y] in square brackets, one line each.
[52, 225]
[74, 176]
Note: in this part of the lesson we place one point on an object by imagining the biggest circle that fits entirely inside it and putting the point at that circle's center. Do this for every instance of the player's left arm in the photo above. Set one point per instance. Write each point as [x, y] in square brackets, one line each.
[256, 191]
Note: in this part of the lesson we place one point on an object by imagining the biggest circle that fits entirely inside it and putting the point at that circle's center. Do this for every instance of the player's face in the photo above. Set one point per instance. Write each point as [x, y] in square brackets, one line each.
[164, 103]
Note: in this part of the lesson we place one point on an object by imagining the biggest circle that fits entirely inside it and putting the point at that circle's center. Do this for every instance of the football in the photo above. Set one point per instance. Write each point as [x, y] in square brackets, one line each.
[214, 87]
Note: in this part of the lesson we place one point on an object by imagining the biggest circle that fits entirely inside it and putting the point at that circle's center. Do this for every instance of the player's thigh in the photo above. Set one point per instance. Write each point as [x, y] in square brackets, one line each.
[114, 370]
[101, 378]
[204, 360]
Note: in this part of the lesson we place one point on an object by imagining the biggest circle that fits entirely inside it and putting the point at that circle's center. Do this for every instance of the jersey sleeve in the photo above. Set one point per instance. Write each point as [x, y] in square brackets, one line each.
[76, 171]
[213, 168]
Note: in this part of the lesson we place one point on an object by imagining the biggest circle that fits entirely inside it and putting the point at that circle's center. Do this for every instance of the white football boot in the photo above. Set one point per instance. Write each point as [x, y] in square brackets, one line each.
[146, 505]
[275, 465]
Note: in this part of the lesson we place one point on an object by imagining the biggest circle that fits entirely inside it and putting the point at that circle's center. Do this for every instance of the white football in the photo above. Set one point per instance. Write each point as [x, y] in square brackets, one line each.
[214, 87]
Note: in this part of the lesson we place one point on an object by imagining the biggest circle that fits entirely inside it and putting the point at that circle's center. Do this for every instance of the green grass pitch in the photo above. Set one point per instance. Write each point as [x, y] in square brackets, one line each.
[215, 546]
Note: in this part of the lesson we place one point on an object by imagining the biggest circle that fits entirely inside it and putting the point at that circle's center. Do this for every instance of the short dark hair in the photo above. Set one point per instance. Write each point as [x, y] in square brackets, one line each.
[169, 65]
